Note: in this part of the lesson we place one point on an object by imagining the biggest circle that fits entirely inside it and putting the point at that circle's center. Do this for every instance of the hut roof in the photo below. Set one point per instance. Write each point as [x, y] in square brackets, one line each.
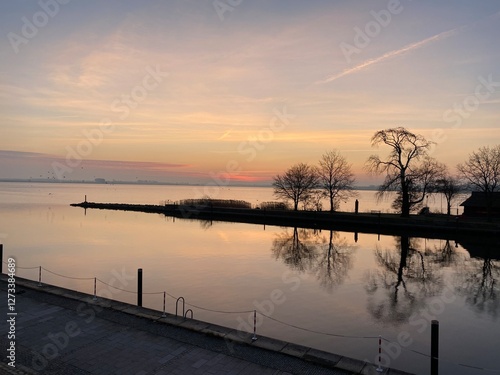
[478, 199]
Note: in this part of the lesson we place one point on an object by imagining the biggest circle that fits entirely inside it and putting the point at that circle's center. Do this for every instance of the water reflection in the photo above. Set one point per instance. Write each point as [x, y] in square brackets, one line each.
[478, 282]
[406, 276]
[296, 248]
[334, 261]
[328, 257]
[447, 255]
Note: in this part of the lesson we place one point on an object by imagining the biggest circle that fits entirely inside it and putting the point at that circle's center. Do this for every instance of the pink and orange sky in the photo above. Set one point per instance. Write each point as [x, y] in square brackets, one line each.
[187, 91]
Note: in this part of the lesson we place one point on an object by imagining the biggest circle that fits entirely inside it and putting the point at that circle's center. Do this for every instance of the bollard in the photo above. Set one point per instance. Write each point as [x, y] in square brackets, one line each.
[139, 287]
[39, 275]
[434, 347]
[1, 258]
[95, 289]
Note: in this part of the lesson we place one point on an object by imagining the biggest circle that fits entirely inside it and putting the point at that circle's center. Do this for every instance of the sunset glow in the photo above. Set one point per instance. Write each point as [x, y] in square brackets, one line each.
[182, 91]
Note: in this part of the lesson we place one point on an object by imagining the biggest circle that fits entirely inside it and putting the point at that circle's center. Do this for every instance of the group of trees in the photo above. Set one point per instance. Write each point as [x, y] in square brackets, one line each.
[409, 171]
[302, 183]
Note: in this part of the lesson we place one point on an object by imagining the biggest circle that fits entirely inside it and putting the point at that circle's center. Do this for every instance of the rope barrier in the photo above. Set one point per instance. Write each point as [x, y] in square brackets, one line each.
[114, 287]
[211, 310]
[22, 268]
[318, 332]
[67, 277]
[444, 360]
[219, 311]
[124, 290]
[255, 314]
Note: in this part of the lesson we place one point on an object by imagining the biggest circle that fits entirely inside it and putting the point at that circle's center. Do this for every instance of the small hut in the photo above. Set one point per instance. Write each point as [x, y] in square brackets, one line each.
[477, 204]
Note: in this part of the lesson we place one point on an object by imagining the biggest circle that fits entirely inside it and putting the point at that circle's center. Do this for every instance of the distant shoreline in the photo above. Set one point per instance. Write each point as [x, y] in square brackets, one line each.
[150, 183]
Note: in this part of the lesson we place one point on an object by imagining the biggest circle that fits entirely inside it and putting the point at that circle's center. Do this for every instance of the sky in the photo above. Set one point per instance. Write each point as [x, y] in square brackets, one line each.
[227, 91]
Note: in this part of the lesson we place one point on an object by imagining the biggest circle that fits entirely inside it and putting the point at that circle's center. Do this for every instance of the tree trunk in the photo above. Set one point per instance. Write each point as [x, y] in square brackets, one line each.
[331, 204]
[448, 207]
[405, 201]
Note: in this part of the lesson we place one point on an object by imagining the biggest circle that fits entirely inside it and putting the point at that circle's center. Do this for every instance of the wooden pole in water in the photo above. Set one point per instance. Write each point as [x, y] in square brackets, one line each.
[434, 347]
[139, 287]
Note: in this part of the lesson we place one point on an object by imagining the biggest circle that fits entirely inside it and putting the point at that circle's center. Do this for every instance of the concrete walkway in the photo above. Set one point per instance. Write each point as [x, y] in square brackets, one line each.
[64, 332]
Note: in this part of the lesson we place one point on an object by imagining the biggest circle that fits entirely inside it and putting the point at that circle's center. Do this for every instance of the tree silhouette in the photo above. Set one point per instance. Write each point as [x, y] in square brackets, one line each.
[482, 172]
[335, 178]
[408, 168]
[451, 188]
[296, 184]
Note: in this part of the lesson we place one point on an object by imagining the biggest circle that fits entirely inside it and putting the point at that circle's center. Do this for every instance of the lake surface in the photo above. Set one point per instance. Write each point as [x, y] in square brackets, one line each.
[326, 283]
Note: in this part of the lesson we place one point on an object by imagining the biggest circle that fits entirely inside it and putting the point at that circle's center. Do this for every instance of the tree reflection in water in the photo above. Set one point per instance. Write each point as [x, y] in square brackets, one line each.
[296, 249]
[334, 261]
[446, 254]
[477, 280]
[406, 276]
[329, 257]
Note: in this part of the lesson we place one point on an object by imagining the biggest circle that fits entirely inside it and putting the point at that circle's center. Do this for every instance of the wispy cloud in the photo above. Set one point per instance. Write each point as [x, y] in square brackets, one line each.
[391, 54]
[226, 134]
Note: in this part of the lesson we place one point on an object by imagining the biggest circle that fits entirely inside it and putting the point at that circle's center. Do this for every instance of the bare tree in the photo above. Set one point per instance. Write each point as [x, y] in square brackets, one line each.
[336, 178]
[450, 187]
[482, 172]
[422, 181]
[407, 168]
[296, 184]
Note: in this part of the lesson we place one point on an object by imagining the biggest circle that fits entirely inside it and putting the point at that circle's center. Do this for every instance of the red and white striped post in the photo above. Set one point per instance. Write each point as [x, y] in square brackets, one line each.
[379, 368]
[164, 298]
[254, 325]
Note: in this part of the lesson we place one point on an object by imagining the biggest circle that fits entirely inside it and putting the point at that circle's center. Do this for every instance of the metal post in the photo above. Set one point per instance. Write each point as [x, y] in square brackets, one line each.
[164, 298]
[434, 347]
[254, 325]
[39, 275]
[95, 288]
[379, 368]
[139, 287]
[1, 258]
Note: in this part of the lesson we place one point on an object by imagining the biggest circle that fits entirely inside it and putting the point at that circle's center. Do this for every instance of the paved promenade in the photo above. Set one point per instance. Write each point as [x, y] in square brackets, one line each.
[65, 332]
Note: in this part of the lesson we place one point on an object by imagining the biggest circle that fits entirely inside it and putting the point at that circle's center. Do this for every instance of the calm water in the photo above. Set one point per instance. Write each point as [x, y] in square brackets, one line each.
[321, 281]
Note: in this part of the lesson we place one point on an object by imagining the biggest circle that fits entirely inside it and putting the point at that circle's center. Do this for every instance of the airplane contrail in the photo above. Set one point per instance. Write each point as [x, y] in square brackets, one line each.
[388, 55]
